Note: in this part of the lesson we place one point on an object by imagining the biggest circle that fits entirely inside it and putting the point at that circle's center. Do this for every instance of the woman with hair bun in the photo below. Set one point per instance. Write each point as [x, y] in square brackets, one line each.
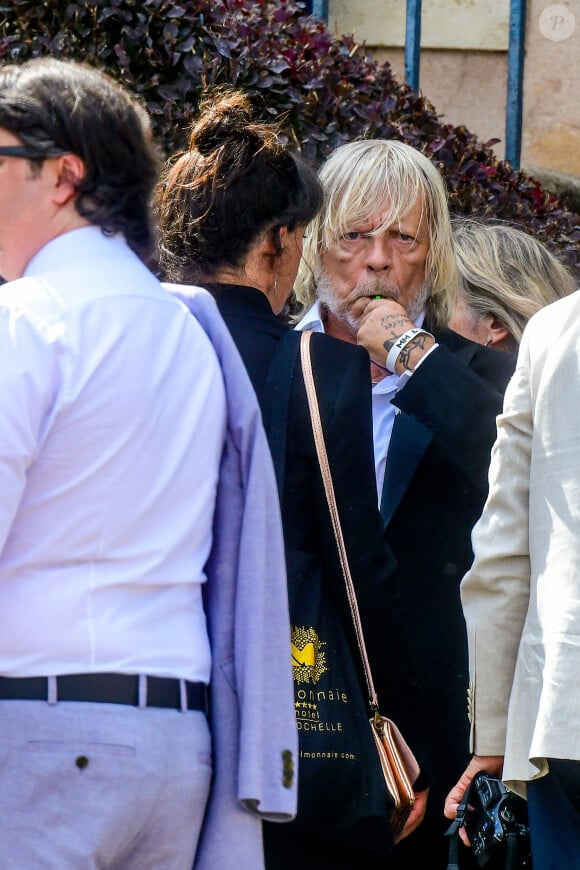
[232, 210]
[506, 276]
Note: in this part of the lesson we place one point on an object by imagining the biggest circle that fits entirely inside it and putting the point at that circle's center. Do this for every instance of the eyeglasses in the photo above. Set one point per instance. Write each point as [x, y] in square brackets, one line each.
[20, 151]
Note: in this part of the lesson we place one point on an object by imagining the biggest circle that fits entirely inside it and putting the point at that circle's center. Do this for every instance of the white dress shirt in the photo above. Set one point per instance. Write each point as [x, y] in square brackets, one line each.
[383, 392]
[112, 422]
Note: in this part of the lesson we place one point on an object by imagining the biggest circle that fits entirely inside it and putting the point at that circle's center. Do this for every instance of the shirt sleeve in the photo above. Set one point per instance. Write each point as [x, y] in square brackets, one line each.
[28, 385]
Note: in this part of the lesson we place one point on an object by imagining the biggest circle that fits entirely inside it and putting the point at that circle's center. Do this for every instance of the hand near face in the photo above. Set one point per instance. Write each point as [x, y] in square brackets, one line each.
[381, 324]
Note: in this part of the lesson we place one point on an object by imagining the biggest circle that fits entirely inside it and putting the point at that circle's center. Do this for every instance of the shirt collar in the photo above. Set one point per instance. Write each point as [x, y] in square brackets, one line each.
[76, 244]
[312, 319]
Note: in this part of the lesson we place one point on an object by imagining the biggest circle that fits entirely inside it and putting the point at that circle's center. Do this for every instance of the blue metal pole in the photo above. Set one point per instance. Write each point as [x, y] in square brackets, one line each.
[515, 84]
[413, 43]
[320, 9]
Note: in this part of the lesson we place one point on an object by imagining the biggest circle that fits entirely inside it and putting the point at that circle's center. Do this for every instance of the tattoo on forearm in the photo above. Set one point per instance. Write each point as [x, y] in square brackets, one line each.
[396, 325]
[418, 342]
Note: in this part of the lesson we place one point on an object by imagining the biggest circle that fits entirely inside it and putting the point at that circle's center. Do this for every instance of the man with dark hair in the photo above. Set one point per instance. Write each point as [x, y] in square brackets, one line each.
[118, 588]
[55, 109]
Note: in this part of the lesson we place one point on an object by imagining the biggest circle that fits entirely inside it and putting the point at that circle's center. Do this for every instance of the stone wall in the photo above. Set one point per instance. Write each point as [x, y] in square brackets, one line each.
[464, 67]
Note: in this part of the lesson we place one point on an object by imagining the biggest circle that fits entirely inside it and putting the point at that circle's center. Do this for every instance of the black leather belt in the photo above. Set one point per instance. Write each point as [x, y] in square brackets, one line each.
[106, 689]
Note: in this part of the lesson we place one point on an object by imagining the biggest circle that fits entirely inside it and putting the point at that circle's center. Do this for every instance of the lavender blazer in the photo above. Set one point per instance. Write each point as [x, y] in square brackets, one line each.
[252, 699]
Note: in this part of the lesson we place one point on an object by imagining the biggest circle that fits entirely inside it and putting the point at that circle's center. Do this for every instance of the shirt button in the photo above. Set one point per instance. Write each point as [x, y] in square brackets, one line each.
[81, 762]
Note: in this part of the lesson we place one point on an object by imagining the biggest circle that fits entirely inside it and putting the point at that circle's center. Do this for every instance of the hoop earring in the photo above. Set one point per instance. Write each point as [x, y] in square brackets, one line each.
[488, 342]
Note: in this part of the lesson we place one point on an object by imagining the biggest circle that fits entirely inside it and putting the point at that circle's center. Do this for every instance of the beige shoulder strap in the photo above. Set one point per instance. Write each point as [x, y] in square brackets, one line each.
[332, 506]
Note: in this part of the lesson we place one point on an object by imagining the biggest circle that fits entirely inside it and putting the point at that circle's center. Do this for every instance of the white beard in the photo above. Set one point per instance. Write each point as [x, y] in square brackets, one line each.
[379, 286]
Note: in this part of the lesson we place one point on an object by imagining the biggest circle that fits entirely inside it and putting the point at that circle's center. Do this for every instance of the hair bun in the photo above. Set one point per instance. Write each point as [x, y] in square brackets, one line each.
[222, 118]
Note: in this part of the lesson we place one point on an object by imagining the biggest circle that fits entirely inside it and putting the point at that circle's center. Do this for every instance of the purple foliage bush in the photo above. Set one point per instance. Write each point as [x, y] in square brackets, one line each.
[327, 88]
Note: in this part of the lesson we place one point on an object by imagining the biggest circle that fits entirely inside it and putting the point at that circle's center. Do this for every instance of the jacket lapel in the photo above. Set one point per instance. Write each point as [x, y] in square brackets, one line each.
[408, 443]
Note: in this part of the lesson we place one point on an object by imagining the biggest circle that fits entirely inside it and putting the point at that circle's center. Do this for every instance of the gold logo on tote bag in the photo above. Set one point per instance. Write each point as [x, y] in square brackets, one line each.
[308, 660]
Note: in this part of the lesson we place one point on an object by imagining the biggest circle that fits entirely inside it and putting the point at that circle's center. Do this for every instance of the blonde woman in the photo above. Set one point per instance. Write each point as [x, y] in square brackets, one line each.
[506, 276]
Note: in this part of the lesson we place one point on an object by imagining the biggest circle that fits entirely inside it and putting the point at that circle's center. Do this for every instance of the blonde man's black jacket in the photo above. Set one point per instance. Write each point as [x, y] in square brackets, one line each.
[342, 376]
[434, 491]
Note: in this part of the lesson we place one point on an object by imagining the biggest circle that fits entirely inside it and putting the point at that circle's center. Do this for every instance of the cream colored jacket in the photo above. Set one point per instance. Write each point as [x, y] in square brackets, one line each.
[522, 596]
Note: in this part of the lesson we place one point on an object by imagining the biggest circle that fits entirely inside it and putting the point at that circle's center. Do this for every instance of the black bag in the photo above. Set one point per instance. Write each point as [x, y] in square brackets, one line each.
[496, 822]
[341, 788]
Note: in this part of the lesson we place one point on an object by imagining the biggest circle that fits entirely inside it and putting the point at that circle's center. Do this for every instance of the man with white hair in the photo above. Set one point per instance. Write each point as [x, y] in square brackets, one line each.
[379, 269]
